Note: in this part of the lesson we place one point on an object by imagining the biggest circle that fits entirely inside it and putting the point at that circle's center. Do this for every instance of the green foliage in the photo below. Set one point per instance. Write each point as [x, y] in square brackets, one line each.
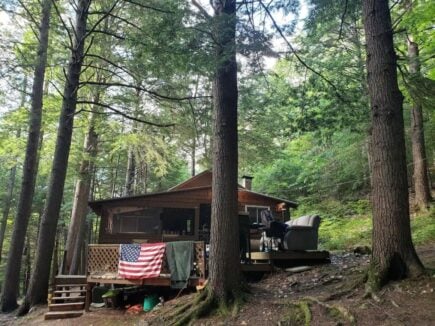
[334, 167]
[298, 314]
[423, 228]
[346, 225]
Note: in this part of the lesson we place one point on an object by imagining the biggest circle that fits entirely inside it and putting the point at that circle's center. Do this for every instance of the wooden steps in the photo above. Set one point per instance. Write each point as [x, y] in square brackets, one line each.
[63, 314]
[69, 295]
[69, 298]
[69, 306]
[68, 291]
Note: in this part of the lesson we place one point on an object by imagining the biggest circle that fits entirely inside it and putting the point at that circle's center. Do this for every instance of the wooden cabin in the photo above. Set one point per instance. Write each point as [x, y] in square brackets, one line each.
[180, 213]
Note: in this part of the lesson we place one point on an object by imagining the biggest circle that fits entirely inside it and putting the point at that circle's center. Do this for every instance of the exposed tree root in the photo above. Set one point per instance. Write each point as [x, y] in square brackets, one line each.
[204, 304]
[24, 308]
[305, 307]
[333, 310]
[396, 268]
[359, 281]
[299, 314]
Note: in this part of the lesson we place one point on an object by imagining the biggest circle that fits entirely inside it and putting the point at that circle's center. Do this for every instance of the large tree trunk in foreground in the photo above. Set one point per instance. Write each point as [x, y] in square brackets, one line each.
[12, 273]
[81, 197]
[38, 286]
[224, 266]
[393, 256]
[419, 159]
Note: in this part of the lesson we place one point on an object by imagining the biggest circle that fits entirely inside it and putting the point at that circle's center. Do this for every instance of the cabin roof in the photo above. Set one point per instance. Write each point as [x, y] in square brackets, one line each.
[201, 181]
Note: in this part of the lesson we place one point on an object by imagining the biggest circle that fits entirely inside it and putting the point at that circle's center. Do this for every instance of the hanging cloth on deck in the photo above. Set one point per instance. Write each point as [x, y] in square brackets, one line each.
[179, 255]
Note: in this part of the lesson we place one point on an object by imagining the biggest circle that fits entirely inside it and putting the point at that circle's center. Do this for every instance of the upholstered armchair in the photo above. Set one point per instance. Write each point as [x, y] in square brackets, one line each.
[302, 233]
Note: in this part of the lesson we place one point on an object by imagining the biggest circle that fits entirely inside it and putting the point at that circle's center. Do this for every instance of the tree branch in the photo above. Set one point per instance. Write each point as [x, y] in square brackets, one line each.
[117, 36]
[63, 23]
[149, 92]
[128, 72]
[339, 96]
[98, 22]
[343, 16]
[201, 9]
[30, 15]
[118, 112]
[149, 7]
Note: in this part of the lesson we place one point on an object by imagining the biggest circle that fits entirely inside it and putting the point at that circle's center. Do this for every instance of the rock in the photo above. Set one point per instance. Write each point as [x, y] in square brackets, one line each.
[362, 250]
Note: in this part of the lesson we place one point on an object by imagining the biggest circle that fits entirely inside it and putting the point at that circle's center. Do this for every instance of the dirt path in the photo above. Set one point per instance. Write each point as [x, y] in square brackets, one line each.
[325, 295]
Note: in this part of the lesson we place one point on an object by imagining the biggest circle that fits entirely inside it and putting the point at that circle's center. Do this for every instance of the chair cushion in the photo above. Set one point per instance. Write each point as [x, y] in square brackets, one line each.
[307, 220]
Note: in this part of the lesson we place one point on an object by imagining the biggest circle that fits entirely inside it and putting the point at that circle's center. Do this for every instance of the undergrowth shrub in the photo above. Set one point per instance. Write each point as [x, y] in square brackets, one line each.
[347, 225]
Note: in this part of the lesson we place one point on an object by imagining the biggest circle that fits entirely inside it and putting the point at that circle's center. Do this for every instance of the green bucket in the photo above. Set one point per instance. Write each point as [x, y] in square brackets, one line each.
[150, 302]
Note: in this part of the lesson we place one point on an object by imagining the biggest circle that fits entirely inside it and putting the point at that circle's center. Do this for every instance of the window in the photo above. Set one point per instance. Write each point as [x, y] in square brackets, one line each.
[144, 221]
[255, 212]
[178, 221]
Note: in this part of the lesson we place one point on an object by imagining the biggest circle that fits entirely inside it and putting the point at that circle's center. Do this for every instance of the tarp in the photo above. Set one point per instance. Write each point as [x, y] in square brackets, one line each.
[179, 255]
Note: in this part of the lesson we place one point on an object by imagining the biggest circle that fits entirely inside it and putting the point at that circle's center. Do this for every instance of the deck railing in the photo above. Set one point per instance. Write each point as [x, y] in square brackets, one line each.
[104, 258]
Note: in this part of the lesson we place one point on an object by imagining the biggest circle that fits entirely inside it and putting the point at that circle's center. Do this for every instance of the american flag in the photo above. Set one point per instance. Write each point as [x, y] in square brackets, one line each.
[137, 261]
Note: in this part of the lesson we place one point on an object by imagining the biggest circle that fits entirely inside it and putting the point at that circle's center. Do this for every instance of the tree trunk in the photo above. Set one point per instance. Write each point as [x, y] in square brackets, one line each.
[28, 266]
[130, 174]
[38, 286]
[419, 159]
[55, 262]
[8, 201]
[393, 256]
[12, 273]
[224, 279]
[114, 175]
[81, 197]
[193, 156]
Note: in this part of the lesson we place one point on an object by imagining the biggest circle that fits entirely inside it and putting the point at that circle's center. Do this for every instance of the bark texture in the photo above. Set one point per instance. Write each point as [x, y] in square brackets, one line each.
[130, 175]
[224, 265]
[13, 267]
[393, 256]
[81, 196]
[38, 287]
[419, 158]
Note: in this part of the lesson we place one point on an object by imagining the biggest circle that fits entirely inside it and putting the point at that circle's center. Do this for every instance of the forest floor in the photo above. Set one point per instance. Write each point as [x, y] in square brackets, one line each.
[330, 294]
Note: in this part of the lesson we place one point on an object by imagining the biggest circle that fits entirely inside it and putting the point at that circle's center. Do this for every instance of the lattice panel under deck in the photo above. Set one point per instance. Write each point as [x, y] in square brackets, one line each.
[105, 258]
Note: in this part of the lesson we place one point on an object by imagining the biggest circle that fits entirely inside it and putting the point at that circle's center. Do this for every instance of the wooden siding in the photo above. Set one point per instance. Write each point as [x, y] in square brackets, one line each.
[188, 198]
[200, 180]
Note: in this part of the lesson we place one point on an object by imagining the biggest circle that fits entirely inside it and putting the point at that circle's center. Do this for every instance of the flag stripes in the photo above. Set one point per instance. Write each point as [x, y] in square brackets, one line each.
[138, 261]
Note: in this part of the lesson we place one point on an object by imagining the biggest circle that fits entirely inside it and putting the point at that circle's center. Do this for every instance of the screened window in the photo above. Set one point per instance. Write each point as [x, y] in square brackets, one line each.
[144, 221]
[255, 213]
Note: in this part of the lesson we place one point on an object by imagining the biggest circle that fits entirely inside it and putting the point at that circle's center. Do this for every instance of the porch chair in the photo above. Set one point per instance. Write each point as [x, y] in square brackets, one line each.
[302, 233]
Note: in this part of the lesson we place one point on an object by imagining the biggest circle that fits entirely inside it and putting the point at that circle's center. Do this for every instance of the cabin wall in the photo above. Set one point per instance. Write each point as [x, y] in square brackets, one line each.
[194, 199]
[251, 199]
[175, 200]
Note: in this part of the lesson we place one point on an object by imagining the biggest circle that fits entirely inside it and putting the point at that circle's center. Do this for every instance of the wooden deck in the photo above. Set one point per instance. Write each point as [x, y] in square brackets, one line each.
[267, 261]
[290, 255]
[102, 268]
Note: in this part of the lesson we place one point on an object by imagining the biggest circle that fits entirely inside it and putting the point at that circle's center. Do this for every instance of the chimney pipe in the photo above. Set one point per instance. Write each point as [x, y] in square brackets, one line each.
[247, 182]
